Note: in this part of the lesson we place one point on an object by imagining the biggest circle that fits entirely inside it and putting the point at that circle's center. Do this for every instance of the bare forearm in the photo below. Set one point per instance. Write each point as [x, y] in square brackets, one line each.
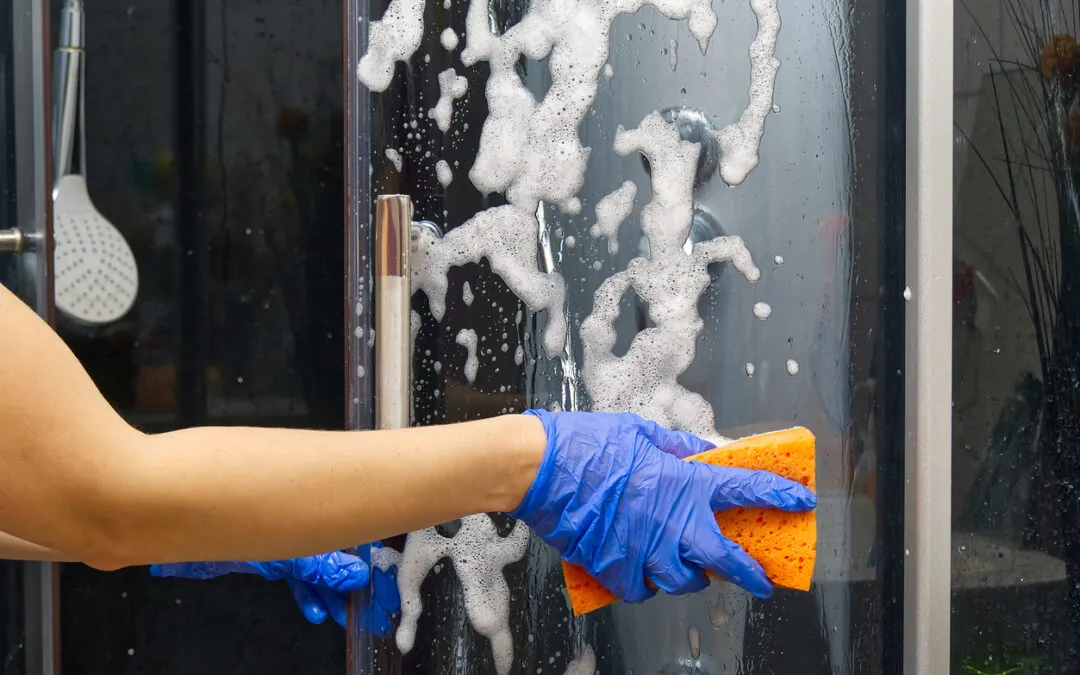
[225, 493]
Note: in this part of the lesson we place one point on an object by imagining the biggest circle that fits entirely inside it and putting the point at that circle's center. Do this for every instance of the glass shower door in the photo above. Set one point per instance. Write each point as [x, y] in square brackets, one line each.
[686, 210]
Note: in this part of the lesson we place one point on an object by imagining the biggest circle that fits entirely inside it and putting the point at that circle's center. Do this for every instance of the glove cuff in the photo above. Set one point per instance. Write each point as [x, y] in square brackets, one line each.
[534, 497]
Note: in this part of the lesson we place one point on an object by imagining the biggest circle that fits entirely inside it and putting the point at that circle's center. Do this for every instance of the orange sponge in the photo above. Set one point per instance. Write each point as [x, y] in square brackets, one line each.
[785, 544]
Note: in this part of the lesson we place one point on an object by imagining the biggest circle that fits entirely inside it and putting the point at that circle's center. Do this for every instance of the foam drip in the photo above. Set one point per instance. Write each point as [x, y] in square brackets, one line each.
[611, 211]
[395, 158]
[505, 236]
[395, 37]
[585, 664]
[451, 87]
[383, 558]
[467, 339]
[644, 380]
[449, 39]
[739, 141]
[443, 173]
[479, 555]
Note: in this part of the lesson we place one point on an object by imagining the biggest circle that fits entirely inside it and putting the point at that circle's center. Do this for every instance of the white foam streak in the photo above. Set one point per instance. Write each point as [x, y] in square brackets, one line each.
[505, 236]
[611, 211]
[451, 87]
[585, 664]
[395, 37]
[384, 557]
[443, 173]
[739, 141]
[467, 339]
[395, 158]
[449, 39]
[644, 380]
[479, 555]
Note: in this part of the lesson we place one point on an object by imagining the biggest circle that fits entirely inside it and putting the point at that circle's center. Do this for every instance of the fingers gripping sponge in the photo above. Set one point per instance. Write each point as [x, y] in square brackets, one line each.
[785, 544]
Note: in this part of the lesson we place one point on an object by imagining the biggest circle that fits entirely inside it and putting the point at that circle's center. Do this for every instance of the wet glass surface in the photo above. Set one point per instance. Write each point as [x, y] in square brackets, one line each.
[1016, 516]
[813, 341]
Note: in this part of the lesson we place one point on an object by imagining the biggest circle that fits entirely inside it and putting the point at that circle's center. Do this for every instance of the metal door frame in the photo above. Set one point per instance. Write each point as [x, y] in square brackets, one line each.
[928, 333]
[32, 65]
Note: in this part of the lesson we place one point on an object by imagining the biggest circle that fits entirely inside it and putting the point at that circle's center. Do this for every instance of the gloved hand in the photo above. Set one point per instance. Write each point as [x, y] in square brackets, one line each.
[318, 583]
[614, 496]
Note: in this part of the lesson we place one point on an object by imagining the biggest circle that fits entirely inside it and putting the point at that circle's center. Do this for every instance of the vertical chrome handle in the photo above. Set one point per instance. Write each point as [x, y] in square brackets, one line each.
[393, 295]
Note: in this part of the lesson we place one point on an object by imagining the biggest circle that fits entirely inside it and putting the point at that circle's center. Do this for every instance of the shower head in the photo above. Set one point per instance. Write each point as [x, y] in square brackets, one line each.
[96, 277]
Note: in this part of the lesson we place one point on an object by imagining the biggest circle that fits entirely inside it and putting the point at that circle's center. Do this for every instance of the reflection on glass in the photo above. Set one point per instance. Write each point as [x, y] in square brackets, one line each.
[635, 223]
[213, 137]
[1016, 318]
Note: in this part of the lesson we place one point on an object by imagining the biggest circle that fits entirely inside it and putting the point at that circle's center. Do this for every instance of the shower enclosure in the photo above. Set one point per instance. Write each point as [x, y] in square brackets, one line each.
[731, 216]
[690, 210]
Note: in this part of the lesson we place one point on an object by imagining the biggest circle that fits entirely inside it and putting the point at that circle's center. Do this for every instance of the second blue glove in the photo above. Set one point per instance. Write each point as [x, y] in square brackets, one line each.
[318, 583]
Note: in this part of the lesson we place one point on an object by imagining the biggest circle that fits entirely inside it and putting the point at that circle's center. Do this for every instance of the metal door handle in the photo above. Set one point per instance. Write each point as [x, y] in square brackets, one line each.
[14, 240]
[393, 296]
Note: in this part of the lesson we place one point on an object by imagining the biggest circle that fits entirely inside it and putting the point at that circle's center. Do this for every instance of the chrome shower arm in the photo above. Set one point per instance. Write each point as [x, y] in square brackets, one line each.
[67, 77]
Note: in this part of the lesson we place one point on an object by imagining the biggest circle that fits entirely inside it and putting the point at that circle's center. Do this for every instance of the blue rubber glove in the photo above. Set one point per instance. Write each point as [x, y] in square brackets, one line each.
[318, 583]
[614, 496]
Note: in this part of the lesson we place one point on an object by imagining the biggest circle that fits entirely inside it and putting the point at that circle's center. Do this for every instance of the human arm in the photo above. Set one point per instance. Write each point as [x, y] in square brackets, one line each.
[76, 478]
[13, 548]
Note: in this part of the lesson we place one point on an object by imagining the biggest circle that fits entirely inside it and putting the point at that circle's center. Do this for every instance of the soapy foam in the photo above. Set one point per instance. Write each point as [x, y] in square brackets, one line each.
[479, 555]
[395, 37]
[449, 39]
[451, 87]
[395, 158]
[467, 294]
[762, 310]
[530, 151]
[644, 380]
[467, 339]
[611, 211]
[585, 664]
[739, 141]
[792, 367]
[443, 173]
[504, 235]
[384, 558]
